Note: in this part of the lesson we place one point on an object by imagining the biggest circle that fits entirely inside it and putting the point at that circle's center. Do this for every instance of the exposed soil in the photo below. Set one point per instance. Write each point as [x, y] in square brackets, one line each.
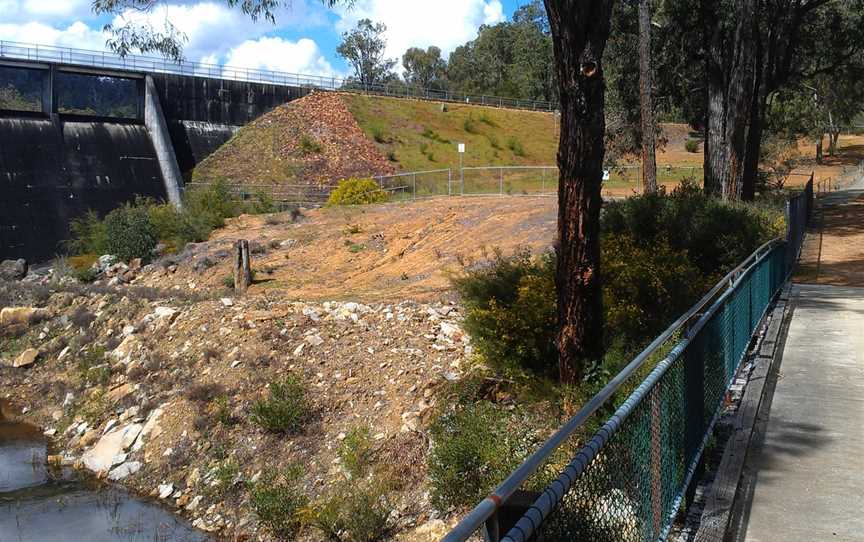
[388, 252]
[833, 252]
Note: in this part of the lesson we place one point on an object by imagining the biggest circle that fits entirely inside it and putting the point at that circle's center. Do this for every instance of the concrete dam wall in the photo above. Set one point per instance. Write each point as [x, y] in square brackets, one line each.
[54, 171]
[93, 141]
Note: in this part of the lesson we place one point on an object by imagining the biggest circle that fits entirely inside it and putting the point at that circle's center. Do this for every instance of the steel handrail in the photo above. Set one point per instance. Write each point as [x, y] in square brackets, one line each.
[475, 519]
[147, 64]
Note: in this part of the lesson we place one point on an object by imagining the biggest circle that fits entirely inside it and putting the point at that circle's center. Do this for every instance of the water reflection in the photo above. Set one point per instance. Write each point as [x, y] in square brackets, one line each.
[41, 505]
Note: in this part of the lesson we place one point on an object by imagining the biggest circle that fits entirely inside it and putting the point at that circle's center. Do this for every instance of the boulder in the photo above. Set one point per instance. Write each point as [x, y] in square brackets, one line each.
[101, 457]
[26, 358]
[124, 470]
[13, 269]
[22, 316]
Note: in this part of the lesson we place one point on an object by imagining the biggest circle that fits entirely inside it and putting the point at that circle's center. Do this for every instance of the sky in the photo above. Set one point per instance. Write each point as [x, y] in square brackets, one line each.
[303, 40]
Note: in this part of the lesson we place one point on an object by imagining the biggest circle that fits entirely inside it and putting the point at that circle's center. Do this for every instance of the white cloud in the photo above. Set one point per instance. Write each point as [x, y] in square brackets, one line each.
[302, 56]
[445, 23]
[77, 35]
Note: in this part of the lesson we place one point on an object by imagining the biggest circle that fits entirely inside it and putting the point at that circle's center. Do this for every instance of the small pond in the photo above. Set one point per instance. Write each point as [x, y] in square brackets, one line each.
[42, 504]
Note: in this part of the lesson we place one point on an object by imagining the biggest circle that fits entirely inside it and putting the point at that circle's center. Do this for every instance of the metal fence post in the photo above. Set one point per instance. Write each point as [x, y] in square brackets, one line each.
[414, 185]
[449, 182]
[501, 181]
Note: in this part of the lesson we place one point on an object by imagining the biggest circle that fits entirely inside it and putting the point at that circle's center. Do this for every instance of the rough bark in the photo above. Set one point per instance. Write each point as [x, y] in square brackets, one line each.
[649, 156]
[580, 29]
[819, 148]
[731, 61]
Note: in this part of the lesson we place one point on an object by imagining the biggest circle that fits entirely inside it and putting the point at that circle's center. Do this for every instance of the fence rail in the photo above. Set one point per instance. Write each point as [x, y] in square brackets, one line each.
[627, 482]
[147, 64]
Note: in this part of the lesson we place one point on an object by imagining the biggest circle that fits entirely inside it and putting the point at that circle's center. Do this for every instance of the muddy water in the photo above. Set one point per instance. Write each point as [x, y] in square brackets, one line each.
[38, 504]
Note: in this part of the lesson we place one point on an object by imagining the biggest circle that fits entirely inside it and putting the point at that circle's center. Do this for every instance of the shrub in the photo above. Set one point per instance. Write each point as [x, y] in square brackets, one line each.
[379, 133]
[516, 146]
[353, 512]
[279, 501]
[391, 155]
[715, 235]
[129, 233]
[692, 145]
[474, 448]
[493, 141]
[309, 145]
[429, 133]
[357, 192]
[486, 119]
[87, 235]
[284, 410]
[470, 125]
[510, 312]
[355, 451]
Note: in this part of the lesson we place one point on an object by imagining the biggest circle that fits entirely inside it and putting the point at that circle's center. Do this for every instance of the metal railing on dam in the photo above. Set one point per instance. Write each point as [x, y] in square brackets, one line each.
[145, 64]
[627, 480]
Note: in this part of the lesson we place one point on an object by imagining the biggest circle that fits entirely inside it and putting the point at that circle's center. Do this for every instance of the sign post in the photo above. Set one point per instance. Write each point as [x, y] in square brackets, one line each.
[461, 148]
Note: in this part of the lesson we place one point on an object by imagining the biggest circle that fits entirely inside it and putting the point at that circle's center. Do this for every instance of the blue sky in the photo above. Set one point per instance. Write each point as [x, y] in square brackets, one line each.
[303, 40]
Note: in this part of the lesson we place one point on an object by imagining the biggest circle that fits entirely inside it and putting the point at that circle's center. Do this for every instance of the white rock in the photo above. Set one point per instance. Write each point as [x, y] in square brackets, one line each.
[165, 312]
[451, 330]
[124, 470]
[194, 503]
[227, 301]
[118, 459]
[299, 349]
[63, 353]
[315, 340]
[101, 456]
[150, 430]
[165, 490]
[128, 330]
[50, 432]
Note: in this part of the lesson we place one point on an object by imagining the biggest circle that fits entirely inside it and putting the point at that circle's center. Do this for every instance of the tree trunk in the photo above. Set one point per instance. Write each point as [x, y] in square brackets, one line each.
[731, 65]
[649, 157]
[754, 147]
[579, 32]
[819, 148]
[242, 267]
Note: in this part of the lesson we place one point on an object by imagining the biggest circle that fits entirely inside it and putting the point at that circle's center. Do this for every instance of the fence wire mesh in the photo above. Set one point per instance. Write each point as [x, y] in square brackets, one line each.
[627, 481]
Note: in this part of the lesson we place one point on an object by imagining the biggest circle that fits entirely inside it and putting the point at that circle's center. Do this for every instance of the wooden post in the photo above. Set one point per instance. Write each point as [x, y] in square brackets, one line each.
[242, 267]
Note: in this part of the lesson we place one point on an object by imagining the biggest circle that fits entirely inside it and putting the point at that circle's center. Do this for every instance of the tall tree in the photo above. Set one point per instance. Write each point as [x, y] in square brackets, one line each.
[580, 29]
[425, 69]
[649, 151]
[364, 48]
[730, 69]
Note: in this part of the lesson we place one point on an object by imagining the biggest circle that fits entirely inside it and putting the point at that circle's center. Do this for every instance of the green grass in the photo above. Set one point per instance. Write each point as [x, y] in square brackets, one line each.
[412, 124]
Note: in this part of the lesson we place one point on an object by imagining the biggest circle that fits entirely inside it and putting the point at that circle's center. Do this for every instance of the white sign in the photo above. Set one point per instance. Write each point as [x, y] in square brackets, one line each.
[462, 147]
[605, 174]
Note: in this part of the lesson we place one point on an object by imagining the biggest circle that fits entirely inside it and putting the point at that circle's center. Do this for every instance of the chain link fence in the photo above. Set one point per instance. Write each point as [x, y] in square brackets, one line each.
[628, 481]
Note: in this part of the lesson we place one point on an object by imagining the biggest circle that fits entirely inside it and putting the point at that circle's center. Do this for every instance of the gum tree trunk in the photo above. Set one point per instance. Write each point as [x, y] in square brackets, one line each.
[649, 156]
[580, 29]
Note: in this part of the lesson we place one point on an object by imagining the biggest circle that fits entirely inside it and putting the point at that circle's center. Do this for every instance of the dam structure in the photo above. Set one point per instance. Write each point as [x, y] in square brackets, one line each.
[75, 137]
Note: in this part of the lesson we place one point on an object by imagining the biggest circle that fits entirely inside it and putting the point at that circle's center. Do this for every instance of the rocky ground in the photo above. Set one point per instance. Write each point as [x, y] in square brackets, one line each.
[152, 387]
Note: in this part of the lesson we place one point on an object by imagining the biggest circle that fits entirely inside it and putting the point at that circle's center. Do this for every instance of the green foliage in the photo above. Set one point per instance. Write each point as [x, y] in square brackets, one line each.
[357, 192]
[363, 48]
[692, 145]
[379, 133]
[516, 146]
[88, 235]
[309, 145]
[659, 253]
[129, 233]
[279, 502]
[475, 447]
[429, 133]
[286, 408]
[510, 312]
[353, 512]
[355, 451]
[470, 125]
[715, 235]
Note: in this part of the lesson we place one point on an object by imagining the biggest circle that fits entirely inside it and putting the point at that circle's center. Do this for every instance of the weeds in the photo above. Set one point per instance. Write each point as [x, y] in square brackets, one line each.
[355, 451]
[353, 512]
[516, 146]
[284, 410]
[278, 500]
[309, 145]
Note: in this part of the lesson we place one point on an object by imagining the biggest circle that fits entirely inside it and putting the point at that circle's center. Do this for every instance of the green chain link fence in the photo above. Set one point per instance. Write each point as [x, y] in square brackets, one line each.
[627, 482]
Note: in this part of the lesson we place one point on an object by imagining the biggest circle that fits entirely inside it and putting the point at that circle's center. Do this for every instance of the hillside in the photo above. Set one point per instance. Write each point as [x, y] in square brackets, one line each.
[323, 138]
[309, 141]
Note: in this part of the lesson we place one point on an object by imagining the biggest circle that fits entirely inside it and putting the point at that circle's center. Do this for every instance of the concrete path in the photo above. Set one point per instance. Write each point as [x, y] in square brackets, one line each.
[805, 474]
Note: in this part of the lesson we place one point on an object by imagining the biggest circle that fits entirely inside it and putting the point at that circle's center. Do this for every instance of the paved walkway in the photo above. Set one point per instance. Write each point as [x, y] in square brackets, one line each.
[805, 475]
